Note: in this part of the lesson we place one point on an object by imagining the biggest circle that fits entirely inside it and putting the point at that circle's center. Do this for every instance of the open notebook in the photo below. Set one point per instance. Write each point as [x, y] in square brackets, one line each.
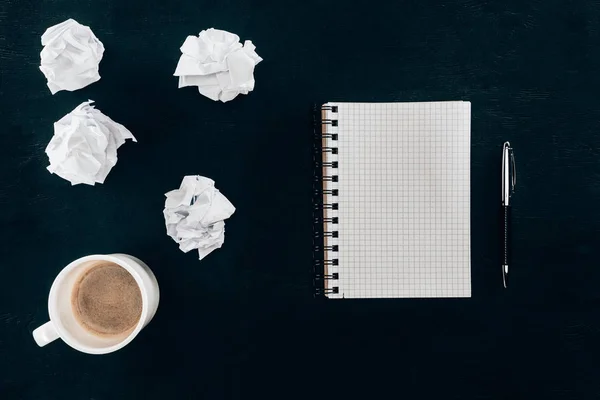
[394, 204]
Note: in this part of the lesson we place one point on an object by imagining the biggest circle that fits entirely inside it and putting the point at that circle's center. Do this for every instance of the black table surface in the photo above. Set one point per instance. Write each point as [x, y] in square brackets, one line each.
[243, 323]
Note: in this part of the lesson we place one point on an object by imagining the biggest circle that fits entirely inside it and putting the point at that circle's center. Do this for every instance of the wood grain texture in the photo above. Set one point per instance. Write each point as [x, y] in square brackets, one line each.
[242, 323]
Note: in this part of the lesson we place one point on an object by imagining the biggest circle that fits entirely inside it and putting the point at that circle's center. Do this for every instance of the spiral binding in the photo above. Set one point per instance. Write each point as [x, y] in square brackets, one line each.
[325, 247]
[327, 277]
[322, 291]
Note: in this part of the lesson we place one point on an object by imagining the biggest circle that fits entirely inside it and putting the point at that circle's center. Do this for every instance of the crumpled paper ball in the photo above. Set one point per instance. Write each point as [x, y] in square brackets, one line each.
[195, 213]
[218, 64]
[71, 56]
[84, 146]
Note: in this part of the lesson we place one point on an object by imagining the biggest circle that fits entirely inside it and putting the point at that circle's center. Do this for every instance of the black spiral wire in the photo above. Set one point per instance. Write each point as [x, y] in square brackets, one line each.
[320, 263]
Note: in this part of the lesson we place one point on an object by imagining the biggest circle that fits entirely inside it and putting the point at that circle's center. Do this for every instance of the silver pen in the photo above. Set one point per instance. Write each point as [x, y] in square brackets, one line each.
[509, 179]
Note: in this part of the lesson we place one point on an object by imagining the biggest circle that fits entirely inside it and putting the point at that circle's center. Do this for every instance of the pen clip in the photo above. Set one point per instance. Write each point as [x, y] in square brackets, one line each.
[513, 175]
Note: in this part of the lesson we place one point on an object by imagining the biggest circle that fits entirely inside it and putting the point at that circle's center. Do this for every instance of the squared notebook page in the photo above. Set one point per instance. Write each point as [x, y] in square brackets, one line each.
[403, 199]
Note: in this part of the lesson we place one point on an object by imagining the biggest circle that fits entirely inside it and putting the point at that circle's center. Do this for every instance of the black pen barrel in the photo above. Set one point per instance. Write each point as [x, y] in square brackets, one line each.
[505, 243]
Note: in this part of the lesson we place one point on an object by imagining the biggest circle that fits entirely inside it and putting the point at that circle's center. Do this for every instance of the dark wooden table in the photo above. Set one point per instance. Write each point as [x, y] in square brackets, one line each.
[243, 323]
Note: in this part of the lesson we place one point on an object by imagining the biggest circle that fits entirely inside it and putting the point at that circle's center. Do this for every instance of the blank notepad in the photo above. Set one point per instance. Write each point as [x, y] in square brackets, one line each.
[402, 199]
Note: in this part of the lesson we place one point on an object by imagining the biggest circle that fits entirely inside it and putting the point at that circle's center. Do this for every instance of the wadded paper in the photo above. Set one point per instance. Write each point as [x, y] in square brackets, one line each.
[71, 56]
[195, 214]
[218, 64]
[84, 146]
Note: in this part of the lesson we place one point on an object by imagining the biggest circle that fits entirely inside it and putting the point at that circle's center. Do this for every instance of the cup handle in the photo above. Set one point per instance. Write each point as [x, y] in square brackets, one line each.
[45, 334]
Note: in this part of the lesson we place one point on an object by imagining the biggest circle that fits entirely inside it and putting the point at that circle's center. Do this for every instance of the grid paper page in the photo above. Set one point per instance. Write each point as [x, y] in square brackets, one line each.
[404, 199]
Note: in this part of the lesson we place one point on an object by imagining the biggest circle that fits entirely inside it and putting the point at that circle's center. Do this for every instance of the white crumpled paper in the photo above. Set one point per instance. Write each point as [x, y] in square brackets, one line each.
[84, 146]
[195, 214]
[218, 64]
[71, 56]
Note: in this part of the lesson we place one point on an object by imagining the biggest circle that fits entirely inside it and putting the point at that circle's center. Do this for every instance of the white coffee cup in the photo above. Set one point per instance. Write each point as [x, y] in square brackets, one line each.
[63, 323]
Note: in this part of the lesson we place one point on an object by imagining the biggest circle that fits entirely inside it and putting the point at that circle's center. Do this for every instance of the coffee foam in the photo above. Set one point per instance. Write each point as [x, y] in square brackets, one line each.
[106, 300]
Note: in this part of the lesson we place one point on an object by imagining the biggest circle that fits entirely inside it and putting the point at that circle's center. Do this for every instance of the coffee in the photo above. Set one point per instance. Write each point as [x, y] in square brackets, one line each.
[106, 300]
